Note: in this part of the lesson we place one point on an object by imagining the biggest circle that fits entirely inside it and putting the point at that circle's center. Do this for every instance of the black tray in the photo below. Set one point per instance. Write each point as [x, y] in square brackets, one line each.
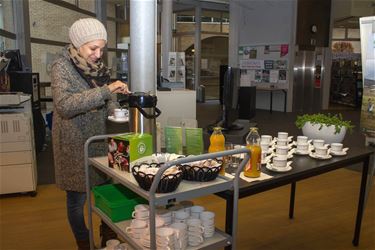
[168, 183]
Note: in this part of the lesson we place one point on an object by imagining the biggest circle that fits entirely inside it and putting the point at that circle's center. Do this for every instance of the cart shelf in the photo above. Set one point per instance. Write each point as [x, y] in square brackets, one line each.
[186, 190]
[219, 240]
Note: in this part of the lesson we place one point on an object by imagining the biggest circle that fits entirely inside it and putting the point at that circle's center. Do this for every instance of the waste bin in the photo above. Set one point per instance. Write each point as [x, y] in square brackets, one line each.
[201, 93]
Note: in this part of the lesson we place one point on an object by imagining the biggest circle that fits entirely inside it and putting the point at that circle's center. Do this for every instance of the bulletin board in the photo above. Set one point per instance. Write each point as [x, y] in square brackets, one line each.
[176, 67]
[264, 65]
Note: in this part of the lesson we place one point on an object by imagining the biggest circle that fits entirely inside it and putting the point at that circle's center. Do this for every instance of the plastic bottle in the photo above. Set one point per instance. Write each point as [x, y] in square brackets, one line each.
[252, 169]
[217, 143]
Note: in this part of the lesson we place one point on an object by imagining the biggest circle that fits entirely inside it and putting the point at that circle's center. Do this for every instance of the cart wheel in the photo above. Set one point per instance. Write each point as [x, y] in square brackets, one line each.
[33, 193]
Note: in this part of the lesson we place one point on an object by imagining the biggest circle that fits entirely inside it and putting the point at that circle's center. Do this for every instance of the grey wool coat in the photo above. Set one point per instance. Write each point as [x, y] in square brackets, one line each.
[79, 113]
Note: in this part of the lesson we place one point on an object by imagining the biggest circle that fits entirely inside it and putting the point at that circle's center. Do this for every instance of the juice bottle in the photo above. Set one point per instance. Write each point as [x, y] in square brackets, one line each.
[252, 168]
[217, 143]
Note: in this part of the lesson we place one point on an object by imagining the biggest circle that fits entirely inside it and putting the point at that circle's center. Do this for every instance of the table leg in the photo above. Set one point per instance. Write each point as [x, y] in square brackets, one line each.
[292, 196]
[229, 218]
[285, 95]
[271, 99]
[361, 202]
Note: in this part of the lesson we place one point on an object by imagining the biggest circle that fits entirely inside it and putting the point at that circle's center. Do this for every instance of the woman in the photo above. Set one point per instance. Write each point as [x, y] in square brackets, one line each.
[81, 91]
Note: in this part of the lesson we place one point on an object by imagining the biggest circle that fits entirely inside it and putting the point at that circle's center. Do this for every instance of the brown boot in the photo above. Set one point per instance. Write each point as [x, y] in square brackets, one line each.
[106, 233]
[83, 244]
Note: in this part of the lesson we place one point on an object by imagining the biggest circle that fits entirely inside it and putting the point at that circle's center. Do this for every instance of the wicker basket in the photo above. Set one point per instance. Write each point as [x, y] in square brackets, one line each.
[200, 173]
[168, 183]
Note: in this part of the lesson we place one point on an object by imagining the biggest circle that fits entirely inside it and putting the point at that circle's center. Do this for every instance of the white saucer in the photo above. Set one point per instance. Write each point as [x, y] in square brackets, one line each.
[118, 120]
[297, 152]
[343, 152]
[320, 157]
[270, 167]
[266, 160]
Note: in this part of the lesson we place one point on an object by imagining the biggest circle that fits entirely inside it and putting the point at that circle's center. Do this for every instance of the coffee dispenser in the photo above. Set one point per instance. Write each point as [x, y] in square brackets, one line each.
[142, 112]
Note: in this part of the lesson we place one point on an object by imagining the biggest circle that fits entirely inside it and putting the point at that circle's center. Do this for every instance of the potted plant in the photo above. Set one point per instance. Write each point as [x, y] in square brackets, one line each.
[330, 128]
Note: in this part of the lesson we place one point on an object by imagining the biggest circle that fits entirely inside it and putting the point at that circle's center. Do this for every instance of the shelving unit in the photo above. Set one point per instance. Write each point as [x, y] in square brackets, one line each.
[346, 79]
[186, 190]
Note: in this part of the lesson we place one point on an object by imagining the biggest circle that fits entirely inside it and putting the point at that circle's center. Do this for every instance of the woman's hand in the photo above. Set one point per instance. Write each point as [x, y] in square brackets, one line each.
[119, 87]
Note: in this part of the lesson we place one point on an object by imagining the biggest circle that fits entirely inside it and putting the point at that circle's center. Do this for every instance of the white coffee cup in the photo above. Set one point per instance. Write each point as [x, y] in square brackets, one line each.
[140, 214]
[136, 223]
[194, 222]
[336, 147]
[166, 220]
[282, 142]
[141, 211]
[318, 143]
[264, 146]
[208, 228]
[321, 151]
[282, 135]
[120, 113]
[195, 211]
[279, 162]
[265, 139]
[165, 232]
[180, 230]
[181, 215]
[282, 150]
[301, 139]
[207, 215]
[195, 240]
[302, 147]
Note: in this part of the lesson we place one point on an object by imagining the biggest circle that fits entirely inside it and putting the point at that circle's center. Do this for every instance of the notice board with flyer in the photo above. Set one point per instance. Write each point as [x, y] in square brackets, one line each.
[176, 67]
[264, 65]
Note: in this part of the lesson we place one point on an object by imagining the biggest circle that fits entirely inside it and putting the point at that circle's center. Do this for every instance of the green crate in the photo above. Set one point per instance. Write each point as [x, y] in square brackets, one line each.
[116, 201]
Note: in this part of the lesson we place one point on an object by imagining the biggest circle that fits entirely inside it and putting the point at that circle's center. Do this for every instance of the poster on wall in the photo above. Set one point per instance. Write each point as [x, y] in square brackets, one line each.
[266, 65]
[367, 29]
[171, 74]
[176, 67]
[172, 59]
[180, 59]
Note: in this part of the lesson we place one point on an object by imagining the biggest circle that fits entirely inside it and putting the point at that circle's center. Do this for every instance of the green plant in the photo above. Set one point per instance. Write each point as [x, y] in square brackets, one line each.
[324, 119]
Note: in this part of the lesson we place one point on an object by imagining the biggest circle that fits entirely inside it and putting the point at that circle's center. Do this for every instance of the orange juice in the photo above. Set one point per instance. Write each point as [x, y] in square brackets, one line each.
[252, 168]
[217, 143]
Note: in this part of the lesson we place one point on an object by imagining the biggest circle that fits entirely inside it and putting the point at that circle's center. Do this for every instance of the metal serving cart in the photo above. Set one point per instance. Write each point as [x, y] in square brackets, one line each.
[186, 190]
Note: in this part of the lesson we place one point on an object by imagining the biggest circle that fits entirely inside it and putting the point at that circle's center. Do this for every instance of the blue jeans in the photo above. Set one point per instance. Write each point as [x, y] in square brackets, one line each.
[75, 202]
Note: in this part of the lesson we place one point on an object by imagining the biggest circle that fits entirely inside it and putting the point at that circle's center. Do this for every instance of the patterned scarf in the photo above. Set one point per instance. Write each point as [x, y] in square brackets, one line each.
[96, 74]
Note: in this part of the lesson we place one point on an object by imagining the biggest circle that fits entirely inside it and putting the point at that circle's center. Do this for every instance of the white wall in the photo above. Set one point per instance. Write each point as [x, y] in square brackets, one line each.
[264, 22]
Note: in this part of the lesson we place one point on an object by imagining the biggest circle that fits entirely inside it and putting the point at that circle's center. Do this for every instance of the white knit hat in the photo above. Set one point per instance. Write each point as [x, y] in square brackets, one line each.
[86, 30]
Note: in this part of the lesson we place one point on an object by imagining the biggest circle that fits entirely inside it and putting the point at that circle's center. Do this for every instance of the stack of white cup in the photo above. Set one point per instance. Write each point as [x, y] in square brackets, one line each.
[321, 150]
[165, 238]
[282, 139]
[165, 215]
[180, 216]
[265, 144]
[302, 144]
[181, 235]
[208, 223]
[195, 211]
[137, 228]
[141, 212]
[195, 231]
